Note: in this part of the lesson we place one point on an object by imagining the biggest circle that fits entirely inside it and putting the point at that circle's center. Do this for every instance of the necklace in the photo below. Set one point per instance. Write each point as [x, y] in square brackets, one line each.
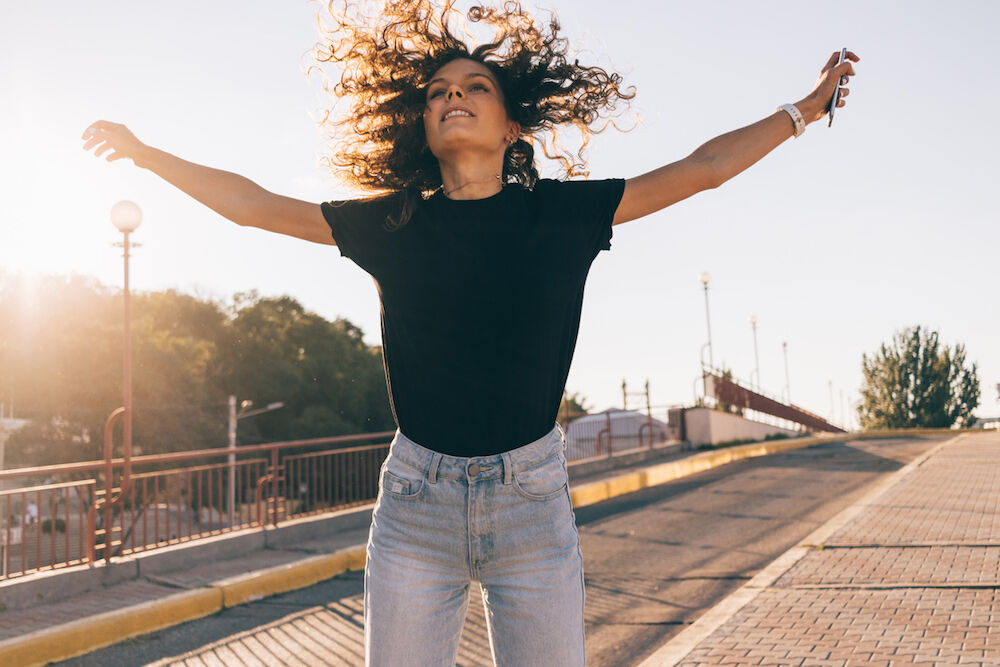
[448, 193]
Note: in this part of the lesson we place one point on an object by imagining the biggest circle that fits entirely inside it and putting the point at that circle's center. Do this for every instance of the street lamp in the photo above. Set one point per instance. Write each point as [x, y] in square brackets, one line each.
[234, 417]
[127, 216]
[756, 358]
[705, 277]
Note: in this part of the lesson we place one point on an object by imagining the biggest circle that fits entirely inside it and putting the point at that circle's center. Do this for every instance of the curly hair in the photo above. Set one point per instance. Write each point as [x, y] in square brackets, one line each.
[387, 61]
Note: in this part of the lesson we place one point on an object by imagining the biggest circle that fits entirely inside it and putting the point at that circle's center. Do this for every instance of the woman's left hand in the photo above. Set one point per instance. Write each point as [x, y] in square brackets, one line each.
[815, 105]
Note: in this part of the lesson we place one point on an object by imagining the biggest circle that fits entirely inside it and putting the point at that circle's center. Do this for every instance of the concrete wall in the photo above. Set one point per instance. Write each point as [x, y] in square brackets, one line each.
[706, 426]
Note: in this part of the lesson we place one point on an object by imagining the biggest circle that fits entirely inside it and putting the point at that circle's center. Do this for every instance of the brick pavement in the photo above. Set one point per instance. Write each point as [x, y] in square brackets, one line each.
[913, 578]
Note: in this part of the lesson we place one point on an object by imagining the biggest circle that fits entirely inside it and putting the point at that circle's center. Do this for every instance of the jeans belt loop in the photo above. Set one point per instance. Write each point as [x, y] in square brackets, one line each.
[432, 473]
[507, 472]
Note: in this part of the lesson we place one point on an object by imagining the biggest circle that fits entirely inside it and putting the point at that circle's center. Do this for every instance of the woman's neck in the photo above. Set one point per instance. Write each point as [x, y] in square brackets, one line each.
[473, 179]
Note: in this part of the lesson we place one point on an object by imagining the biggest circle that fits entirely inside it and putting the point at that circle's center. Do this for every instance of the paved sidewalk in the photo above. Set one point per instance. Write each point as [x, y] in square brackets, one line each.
[912, 576]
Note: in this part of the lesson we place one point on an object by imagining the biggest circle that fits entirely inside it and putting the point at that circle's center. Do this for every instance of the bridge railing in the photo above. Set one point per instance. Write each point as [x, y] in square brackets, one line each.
[60, 516]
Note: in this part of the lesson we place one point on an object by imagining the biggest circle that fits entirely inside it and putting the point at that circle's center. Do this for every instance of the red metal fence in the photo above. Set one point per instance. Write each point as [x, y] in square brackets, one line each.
[177, 497]
[727, 391]
[62, 516]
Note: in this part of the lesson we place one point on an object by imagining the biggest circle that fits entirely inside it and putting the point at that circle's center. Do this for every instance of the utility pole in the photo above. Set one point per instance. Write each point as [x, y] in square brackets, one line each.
[234, 418]
[232, 459]
[705, 278]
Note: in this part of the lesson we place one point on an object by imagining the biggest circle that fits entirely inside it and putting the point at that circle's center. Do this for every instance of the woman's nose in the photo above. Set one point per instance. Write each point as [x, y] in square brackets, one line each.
[454, 91]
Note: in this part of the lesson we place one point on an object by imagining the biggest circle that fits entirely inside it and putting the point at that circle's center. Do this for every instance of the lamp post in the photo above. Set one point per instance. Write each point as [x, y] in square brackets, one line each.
[705, 278]
[788, 385]
[756, 357]
[126, 216]
[234, 417]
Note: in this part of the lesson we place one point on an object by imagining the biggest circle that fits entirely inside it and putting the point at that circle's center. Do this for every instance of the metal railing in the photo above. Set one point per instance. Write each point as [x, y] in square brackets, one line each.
[26, 538]
[176, 497]
[619, 431]
[130, 505]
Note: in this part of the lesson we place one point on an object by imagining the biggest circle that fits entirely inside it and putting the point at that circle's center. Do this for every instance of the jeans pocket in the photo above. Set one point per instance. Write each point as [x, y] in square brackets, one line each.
[400, 480]
[543, 482]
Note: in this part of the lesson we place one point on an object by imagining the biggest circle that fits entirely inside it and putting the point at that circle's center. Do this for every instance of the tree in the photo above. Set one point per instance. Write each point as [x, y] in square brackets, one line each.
[60, 351]
[330, 381]
[916, 382]
[573, 403]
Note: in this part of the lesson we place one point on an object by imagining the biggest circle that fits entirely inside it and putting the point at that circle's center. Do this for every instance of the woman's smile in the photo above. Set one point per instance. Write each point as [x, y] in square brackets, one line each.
[456, 112]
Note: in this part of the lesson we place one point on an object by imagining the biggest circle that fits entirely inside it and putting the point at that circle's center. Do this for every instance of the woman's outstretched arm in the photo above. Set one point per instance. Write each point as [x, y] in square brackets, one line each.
[718, 160]
[230, 195]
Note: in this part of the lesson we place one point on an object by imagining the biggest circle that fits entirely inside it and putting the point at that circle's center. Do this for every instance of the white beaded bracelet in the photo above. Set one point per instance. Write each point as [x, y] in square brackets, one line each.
[793, 111]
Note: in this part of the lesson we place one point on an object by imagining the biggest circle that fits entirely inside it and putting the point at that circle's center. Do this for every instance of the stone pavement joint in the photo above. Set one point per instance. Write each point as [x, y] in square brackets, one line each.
[928, 591]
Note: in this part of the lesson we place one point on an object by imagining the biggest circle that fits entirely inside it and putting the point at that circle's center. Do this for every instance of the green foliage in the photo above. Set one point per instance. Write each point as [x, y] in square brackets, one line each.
[574, 404]
[61, 363]
[916, 382]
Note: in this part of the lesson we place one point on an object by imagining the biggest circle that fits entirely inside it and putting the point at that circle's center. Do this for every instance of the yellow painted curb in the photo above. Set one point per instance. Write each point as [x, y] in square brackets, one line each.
[595, 492]
[89, 634]
[291, 576]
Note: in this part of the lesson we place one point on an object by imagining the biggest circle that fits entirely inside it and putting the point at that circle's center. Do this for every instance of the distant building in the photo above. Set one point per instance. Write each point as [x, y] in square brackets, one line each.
[628, 430]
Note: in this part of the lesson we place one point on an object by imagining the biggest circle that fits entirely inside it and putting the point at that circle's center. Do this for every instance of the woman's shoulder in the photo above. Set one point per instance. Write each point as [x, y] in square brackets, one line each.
[578, 191]
[551, 184]
[364, 200]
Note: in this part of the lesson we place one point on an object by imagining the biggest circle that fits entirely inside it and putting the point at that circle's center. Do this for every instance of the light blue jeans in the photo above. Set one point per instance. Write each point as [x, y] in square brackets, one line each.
[442, 522]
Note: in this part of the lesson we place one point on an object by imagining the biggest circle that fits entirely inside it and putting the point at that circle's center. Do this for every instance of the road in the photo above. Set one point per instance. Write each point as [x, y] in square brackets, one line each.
[654, 561]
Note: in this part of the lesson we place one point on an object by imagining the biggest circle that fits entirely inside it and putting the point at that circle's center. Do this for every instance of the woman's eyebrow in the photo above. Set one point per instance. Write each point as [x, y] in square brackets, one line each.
[433, 81]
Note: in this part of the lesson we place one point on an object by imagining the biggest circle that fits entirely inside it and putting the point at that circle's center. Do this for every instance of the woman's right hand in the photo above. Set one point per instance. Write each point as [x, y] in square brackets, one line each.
[116, 138]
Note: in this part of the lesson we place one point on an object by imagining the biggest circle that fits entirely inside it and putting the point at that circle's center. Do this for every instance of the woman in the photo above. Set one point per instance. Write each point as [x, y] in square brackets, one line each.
[480, 267]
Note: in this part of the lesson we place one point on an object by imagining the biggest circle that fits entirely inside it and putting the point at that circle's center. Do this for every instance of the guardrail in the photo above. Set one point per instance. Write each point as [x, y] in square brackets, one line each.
[79, 513]
[177, 497]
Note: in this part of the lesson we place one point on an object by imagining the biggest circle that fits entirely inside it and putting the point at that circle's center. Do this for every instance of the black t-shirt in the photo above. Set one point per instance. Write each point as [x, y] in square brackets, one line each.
[481, 303]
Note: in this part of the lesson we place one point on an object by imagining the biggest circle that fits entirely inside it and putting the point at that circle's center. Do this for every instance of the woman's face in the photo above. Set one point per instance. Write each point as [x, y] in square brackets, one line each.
[465, 112]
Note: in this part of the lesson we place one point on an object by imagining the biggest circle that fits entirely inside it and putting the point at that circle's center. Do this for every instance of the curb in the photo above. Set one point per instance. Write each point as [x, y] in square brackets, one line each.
[290, 576]
[89, 634]
[595, 492]
[675, 650]
[101, 630]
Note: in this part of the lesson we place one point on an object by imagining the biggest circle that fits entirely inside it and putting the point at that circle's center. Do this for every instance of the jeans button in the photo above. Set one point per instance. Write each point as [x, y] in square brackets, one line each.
[474, 469]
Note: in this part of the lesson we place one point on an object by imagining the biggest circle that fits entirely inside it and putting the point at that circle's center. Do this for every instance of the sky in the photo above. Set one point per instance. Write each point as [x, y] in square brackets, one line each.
[835, 240]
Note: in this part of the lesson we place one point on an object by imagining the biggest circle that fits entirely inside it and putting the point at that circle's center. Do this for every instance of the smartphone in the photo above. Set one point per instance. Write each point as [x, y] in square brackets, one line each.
[836, 91]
